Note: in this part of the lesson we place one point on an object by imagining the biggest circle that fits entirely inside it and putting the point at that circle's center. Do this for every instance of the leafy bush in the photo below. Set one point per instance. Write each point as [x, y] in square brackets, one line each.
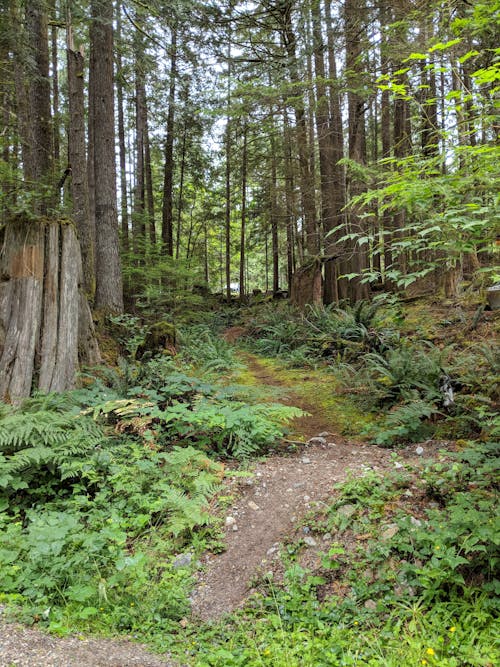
[319, 332]
[43, 448]
[227, 427]
[77, 508]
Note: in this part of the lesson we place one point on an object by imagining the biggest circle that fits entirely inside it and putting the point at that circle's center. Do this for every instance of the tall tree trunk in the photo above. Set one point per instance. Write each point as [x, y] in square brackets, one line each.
[354, 16]
[227, 211]
[138, 215]
[335, 287]
[180, 202]
[109, 290]
[167, 214]
[121, 134]
[304, 149]
[273, 210]
[227, 145]
[78, 162]
[326, 155]
[289, 199]
[55, 86]
[243, 211]
[39, 168]
[148, 175]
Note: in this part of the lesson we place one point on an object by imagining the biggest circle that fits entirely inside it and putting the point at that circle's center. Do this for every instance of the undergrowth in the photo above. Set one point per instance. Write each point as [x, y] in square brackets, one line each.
[105, 492]
[408, 578]
[414, 389]
[107, 498]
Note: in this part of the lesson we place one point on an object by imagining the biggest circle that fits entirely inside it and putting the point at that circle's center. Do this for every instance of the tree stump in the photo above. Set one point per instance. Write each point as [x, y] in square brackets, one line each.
[45, 321]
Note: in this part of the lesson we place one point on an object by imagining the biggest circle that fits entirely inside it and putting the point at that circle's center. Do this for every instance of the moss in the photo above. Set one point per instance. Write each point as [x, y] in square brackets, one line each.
[161, 337]
[317, 393]
[161, 334]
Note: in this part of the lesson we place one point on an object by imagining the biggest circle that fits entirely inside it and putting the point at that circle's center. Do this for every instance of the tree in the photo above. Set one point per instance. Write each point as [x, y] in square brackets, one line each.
[40, 261]
[109, 290]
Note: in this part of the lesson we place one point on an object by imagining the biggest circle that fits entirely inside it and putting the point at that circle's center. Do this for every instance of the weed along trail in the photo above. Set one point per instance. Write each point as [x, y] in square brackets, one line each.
[271, 503]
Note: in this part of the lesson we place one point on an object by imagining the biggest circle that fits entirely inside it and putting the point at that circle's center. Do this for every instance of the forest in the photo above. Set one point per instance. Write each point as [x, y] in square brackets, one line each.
[249, 317]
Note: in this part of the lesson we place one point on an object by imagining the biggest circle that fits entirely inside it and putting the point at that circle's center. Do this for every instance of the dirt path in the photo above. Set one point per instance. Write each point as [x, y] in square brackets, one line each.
[269, 505]
[26, 647]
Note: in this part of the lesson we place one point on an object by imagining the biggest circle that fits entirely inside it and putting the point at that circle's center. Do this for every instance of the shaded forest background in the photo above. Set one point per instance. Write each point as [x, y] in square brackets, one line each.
[151, 150]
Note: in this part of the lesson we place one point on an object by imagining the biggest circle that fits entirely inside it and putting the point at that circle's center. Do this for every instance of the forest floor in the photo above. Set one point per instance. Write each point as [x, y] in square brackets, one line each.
[263, 510]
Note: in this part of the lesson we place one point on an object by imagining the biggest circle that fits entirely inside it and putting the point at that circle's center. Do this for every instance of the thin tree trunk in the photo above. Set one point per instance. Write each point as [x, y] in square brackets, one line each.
[243, 212]
[227, 216]
[335, 288]
[167, 214]
[227, 213]
[273, 210]
[181, 194]
[355, 30]
[138, 215]
[148, 174]
[121, 134]
[289, 199]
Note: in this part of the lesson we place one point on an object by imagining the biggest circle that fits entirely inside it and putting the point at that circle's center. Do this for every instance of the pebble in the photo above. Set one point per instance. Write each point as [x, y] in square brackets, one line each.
[230, 521]
[327, 537]
[305, 460]
[419, 451]
[371, 605]
[389, 532]
[398, 465]
[317, 440]
[182, 560]
[346, 511]
[253, 506]
[324, 434]
[310, 541]
[415, 522]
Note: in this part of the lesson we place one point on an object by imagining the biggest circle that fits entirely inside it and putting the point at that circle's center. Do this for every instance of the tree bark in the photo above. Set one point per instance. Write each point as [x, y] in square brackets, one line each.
[109, 290]
[121, 136]
[273, 211]
[335, 288]
[355, 31]
[304, 149]
[167, 214]
[78, 163]
[243, 211]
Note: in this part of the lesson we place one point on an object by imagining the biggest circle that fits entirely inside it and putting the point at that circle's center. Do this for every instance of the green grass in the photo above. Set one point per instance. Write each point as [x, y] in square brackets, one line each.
[446, 616]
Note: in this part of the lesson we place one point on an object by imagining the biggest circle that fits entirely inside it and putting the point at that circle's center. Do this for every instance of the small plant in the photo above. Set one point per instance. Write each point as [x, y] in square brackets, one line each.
[404, 423]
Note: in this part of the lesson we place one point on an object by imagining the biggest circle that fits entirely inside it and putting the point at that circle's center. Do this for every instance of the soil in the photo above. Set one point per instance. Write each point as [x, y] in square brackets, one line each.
[268, 506]
[27, 647]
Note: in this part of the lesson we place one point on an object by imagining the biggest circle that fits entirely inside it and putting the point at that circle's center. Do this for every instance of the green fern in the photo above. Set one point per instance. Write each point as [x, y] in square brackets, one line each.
[45, 441]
